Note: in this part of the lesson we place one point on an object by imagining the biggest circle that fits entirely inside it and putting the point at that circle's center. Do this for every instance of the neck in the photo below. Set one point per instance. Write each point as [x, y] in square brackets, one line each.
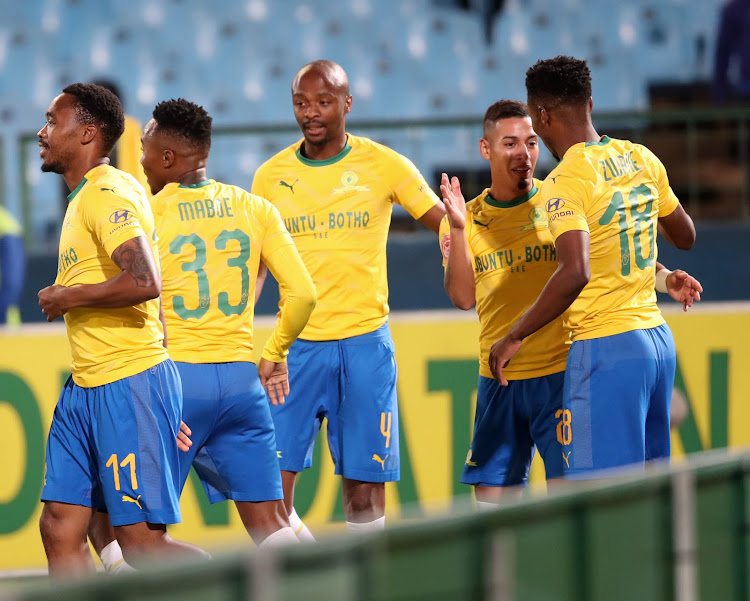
[505, 192]
[76, 173]
[575, 135]
[192, 177]
[321, 152]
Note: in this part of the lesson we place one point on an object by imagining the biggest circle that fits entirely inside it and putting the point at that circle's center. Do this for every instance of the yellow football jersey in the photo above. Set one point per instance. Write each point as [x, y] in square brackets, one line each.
[338, 212]
[107, 208]
[616, 191]
[513, 256]
[211, 239]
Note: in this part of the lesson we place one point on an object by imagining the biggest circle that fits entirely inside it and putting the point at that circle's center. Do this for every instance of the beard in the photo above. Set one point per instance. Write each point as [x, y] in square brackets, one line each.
[523, 184]
[53, 167]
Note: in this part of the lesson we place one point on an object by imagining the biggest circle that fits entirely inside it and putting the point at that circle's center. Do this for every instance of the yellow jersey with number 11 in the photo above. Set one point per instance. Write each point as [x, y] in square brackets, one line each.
[615, 190]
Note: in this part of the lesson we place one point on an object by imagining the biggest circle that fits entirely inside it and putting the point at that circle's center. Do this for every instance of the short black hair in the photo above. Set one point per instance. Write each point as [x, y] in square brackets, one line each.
[505, 109]
[97, 105]
[186, 119]
[563, 80]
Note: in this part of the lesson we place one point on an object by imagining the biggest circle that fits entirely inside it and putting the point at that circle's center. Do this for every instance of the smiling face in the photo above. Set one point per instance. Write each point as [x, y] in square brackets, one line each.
[59, 139]
[512, 148]
[320, 107]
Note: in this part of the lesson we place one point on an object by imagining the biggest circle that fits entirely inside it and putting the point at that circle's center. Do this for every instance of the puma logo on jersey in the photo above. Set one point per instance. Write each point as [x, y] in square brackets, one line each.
[487, 225]
[108, 190]
[379, 460]
[127, 499]
[566, 457]
[290, 186]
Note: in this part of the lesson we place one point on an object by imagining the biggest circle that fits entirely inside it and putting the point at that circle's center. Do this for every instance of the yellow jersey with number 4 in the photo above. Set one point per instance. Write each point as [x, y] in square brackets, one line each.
[211, 239]
[338, 212]
[615, 190]
[106, 209]
[513, 256]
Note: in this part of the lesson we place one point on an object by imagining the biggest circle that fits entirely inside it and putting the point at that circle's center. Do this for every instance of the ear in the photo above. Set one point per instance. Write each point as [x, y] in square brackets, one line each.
[89, 134]
[591, 105]
[543, 115]
[484, 148]
[167, 158]
[347, 104]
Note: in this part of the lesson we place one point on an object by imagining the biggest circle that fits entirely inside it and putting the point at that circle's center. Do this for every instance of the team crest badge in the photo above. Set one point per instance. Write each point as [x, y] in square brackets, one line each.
[537, 220]
[349, 181]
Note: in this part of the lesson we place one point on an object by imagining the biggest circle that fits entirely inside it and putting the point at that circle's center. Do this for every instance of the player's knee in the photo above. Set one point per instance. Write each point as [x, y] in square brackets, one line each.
[55, 530]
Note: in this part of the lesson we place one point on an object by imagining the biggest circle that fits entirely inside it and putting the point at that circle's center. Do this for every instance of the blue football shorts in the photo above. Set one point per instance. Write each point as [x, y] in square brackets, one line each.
[618, 391]
[510, 421]
[234, 446]
[351, 383]
[113, 448]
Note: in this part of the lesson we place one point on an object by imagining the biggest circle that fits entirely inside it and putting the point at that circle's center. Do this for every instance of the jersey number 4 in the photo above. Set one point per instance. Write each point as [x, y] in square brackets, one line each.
[640, 218]
[197, 265]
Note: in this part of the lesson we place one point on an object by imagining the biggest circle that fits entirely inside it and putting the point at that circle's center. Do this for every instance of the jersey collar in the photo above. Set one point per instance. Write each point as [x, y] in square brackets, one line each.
[335, 159]
[511, 203]
[206, 182]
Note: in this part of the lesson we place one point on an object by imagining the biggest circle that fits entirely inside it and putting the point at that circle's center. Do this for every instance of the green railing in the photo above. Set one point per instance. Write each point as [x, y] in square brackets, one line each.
[706, 152]
[672, 534]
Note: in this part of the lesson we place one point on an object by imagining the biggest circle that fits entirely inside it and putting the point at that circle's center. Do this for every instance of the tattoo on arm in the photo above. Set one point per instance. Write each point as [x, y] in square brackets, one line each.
[135, 257]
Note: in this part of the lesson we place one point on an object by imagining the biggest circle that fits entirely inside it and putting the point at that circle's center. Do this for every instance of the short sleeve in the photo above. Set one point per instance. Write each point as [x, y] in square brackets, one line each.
[116, 218]
[410, 189]
[564, 200]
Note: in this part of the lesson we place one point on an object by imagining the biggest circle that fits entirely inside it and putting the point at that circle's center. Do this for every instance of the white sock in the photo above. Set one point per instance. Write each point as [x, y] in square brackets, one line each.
[299, 528]
[485, 506]
[112, 559]
[283, 536]
[366, 527]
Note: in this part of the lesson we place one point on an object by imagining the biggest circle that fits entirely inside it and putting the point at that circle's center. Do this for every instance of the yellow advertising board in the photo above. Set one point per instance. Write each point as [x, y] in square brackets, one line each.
[436, 354]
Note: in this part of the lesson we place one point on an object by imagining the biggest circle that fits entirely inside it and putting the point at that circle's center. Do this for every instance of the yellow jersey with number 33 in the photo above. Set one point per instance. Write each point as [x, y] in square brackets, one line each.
[338, 212]
[106, 209]
[513, 256]
[211, 239]
[615, 190]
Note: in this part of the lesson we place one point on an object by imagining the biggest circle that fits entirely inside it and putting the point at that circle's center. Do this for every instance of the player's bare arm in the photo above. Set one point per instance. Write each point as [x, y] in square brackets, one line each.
[572, 275]
[680, 285]
[678, 229]
[459, 279]
[433, 217]
[139, 282]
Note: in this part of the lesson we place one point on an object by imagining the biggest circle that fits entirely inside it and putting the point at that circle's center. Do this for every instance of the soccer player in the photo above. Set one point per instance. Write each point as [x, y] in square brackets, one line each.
[111, 443]
[335, 192]
[604, 203]
[501, 254]
[212, 237]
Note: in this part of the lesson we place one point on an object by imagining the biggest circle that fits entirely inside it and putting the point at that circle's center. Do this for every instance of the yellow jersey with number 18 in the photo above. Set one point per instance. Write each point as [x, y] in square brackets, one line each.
[615, 190]
[338, 212]
[211, 239]
[513, 256]
[106, 209]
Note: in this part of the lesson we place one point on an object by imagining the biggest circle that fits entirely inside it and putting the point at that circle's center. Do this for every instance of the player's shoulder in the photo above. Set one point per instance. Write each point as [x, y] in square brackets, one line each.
[474, 205]
[108, 180]
[363, 146]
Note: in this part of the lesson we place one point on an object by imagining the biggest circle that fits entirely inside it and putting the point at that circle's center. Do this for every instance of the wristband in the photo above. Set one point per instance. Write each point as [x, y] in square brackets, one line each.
[660, 281]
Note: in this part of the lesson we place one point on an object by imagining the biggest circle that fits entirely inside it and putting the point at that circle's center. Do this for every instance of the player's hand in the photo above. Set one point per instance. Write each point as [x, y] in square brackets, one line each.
[52, 300]
[684, 288]
[455, 205]
[274, 377]
[183, 437]
[500, 355]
